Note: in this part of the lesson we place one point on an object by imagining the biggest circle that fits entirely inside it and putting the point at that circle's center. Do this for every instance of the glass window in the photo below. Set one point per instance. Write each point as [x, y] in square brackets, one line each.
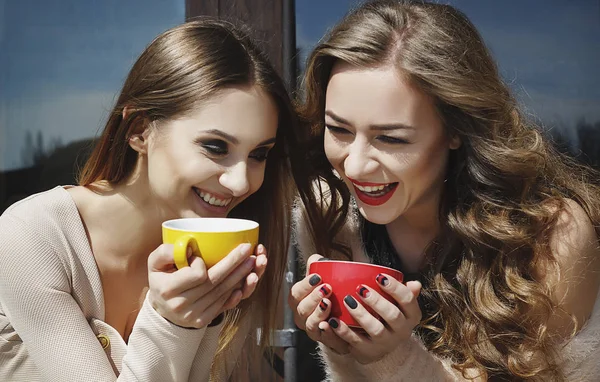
[61, 68]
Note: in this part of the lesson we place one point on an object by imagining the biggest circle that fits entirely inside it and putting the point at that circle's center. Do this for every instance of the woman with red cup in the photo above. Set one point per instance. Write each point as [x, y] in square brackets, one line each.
[423, 162]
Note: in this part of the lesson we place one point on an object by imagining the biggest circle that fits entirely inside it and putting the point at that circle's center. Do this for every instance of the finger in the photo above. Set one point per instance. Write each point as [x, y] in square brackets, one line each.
[388, 311]
[345, 333]
[405, 296]
[232, 281]
[311, 260]
[261, 260]
[249, 285]
[415, 287]
[209, 312]
[374, 328]
[207, 293]
[161, 259]
[218, 272]
[302, 289]
[308, 305]
[189, 277]
[233, 300]
[332, 340]
[320, 313]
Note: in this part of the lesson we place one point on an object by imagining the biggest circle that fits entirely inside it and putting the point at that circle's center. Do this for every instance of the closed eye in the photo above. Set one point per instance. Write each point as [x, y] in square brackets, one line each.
[215, 147]
[337, 130]
[260, 154]
[392, 140]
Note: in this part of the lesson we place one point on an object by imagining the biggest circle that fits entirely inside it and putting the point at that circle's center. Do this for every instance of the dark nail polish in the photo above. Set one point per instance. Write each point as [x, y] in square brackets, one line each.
[323, 259]
[314, 280]
[323, 305]
[381, 279]
[350, 301]
[324, 290]
[333, 323]
[362, 291]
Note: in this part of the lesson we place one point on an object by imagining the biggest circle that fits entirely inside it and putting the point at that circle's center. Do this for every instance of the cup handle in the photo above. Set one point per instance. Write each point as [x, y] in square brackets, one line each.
[180, 250]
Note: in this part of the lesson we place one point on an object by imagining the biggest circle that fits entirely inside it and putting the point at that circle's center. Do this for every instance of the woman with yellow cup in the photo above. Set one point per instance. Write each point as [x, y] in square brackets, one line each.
[203, 128]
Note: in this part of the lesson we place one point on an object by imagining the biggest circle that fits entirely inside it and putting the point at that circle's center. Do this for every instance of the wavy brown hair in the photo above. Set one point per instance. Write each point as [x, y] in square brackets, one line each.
[182, 68]
[484, 305]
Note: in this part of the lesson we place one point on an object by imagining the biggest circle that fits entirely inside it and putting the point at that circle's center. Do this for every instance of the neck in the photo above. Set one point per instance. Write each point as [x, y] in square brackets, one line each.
[413, 232]
[123, 222]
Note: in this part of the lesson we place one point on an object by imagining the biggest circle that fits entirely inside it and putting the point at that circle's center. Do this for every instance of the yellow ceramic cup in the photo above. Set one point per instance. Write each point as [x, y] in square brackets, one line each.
[210, 238]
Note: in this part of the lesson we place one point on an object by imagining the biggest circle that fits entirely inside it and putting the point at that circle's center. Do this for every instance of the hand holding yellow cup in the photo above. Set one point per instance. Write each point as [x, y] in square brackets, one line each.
[209, 238]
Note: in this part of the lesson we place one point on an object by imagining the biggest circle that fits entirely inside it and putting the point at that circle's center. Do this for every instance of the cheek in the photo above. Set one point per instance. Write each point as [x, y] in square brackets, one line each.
[333, 150]
[256, 177]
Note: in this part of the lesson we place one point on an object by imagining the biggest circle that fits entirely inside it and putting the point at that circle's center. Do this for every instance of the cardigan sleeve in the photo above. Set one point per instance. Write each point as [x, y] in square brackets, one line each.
[35, 295]
[410, 361]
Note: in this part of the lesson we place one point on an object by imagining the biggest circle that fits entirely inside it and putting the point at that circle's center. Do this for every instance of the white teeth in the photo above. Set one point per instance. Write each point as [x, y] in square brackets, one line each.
[370, 188]
[212, 200]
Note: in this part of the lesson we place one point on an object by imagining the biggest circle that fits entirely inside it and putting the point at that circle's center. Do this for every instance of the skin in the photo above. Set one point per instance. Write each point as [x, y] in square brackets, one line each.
[381, 130]
[209, 150]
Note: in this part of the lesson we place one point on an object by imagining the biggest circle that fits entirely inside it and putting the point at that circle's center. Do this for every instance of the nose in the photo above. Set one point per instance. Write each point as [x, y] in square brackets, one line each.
[235, 179]
[359, 161]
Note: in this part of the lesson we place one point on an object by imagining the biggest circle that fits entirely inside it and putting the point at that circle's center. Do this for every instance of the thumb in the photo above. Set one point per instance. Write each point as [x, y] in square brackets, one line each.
[415, 287]
[161, 259]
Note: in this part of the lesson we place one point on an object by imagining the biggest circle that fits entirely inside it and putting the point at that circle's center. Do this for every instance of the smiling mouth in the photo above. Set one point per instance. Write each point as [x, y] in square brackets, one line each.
[374, 194]
[212, 199]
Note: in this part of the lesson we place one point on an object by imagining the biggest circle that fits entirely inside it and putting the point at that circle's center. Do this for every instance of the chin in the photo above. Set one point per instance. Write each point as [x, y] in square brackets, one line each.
[381, 217]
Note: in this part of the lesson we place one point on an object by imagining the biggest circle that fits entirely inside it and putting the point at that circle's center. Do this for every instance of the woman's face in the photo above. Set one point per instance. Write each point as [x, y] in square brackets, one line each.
[207, 162]
[385, 139]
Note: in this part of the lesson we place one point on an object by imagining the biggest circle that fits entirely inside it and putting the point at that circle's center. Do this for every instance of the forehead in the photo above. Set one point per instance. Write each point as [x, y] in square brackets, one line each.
[375, 95]
[244, 112]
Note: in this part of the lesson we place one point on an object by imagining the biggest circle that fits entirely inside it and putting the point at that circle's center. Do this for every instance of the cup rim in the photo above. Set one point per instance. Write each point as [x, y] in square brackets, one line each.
[359, 263]
[251, 224]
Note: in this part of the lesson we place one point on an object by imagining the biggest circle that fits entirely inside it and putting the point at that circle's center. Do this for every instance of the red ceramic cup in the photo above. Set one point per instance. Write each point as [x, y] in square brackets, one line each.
[344, 277]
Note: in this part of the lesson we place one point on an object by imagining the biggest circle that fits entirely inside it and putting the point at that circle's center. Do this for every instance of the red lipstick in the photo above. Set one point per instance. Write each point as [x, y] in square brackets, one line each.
[370, 199]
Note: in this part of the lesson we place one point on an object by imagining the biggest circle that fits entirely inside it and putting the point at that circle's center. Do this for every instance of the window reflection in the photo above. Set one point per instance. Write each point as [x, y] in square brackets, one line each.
[62, 65]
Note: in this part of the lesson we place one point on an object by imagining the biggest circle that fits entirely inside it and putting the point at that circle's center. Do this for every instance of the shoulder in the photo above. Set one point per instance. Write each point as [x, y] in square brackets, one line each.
[44, 205]
[44, 225]
[576, 279]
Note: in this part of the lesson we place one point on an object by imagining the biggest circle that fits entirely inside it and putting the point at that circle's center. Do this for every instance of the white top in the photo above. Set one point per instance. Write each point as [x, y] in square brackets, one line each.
[52, 309]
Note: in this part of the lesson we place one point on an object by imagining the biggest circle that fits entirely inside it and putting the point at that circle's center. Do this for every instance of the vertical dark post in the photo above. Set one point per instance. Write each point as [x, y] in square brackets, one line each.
[290, 355]
[273, 23]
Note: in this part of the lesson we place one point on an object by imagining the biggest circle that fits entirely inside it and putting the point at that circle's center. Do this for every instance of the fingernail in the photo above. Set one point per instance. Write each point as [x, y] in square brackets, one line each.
[381, 279]
[333, 323]
[362, 291]
[324, 290]
[350, 301]
[245, 248]
[323, 305]
[323, 259]
[314, 280]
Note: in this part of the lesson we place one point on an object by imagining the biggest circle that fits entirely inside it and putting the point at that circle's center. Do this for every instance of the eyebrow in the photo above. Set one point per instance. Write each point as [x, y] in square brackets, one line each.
[377, 127]
[235, 141]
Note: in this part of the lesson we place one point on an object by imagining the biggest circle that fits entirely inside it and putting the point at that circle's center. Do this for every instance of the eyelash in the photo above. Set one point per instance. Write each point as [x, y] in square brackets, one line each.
[382, 138]
[219, 148]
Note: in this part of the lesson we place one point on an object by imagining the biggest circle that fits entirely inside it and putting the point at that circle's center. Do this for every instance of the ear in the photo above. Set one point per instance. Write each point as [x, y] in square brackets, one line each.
[455, 142]
[137, 141]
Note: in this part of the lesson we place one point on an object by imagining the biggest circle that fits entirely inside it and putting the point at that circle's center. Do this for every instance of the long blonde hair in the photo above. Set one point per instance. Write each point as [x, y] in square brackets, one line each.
[182, 67]
[484, 304]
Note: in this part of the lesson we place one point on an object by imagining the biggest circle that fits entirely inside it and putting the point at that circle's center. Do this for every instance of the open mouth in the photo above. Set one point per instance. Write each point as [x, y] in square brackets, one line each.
[214, 201]
[374, 194]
